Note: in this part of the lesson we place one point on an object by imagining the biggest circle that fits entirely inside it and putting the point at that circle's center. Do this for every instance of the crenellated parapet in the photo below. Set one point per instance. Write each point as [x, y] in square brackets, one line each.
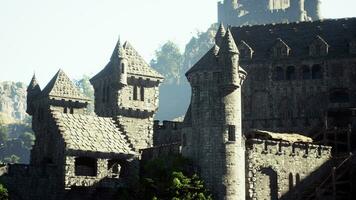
[283, 148]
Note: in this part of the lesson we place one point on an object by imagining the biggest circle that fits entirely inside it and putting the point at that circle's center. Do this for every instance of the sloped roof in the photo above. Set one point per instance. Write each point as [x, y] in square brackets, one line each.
[136, 64]
[61, 86]
[207, 62]
[33, 86]
[288, 137]
[91, 134]
[337, 33]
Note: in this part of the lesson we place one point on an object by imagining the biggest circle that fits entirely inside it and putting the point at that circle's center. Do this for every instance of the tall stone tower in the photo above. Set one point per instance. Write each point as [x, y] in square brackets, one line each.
[212, 136]
[127, 90]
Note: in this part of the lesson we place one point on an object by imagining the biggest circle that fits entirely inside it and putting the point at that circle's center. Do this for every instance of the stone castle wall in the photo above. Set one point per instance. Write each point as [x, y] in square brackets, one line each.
[274, 168]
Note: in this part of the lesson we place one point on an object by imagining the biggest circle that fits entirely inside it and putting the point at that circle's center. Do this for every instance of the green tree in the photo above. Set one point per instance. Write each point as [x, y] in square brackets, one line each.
[170, 178]
[4, 195]
[168, 61]
[28, 139]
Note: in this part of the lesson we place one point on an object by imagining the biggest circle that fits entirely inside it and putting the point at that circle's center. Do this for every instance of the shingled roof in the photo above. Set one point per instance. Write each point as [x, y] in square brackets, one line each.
[62, 87]
[91, 134]
[337, 33]
[207, 62]
[136, 64]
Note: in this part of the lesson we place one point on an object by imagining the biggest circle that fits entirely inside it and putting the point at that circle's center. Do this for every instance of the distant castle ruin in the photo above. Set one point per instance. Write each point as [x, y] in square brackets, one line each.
[254, 12]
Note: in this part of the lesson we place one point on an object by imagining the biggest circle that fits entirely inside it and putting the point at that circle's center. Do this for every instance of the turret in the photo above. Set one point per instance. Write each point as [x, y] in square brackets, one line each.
[33, 91]
[212, 135]
[229, 60]
[220, 34]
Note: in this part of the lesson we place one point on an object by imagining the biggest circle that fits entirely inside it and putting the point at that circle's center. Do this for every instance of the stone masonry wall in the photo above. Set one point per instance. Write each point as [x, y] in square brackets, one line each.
[274, 168]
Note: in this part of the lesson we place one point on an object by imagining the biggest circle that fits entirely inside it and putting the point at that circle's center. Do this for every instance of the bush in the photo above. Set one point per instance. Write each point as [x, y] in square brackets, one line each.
[4, 195]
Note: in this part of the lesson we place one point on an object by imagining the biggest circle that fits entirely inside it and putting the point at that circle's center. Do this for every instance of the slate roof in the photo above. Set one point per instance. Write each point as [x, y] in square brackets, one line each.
[136, 64]
[33, 86]
[62, 87]
[91, 134]
[207, 62]
[337, 33]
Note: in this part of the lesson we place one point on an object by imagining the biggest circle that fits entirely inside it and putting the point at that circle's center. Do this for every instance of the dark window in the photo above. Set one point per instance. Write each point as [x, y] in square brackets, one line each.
[306, 72]
[232, 133]
[278, 74]
[142, 93]
[339, 96]
[123, 68]
[290, 74]
[71, 110]
[297, 179]
[273, 182]
[85, 166]
[65, 110]
[291, 181]
[135, 93]
[317, 72]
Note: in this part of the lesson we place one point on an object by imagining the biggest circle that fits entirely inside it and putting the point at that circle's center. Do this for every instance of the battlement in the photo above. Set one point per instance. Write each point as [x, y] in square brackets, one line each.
[167, 125]
[283, 148]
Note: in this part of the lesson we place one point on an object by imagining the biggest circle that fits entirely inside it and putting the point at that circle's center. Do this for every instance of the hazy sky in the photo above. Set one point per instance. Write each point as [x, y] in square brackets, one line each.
[79, 35]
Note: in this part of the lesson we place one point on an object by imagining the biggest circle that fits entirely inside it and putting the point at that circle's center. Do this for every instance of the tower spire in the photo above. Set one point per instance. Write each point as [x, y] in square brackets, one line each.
[228, 44]
[220, 34]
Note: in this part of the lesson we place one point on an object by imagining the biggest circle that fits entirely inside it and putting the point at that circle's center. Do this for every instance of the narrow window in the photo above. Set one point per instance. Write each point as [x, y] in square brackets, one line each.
[65, 110]
[142, 93]
[291, 181]
[297, 179]
[232, 134]
[123, 68]
[135, 93]
[71, 110]
[85, 166]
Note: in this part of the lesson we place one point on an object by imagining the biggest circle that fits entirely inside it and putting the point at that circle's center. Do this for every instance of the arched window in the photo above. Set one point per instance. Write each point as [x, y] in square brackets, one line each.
[135, 92]
[317, 72]
[290, 74]
[278, 74]
[291, 181]
[306, 72]
[273, 182]
[297, 179]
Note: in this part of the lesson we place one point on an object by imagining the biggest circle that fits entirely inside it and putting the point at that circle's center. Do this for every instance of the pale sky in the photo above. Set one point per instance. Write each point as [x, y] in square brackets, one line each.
[79, 35]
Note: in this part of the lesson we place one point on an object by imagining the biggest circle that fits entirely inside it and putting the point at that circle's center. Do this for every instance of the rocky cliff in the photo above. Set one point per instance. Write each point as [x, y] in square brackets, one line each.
[13, 100]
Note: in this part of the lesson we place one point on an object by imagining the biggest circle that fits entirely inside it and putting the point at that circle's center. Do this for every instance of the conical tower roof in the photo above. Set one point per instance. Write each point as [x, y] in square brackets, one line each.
[228, 44]
[33, 86]
[61, 87]
[220, 34]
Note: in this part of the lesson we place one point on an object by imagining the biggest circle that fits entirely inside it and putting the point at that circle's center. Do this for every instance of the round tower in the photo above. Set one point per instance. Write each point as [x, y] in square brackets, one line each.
[212, 136]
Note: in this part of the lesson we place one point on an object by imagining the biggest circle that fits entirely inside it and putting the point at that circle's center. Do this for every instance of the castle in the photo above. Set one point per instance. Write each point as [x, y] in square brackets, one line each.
[252, 12]
[82, 156]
